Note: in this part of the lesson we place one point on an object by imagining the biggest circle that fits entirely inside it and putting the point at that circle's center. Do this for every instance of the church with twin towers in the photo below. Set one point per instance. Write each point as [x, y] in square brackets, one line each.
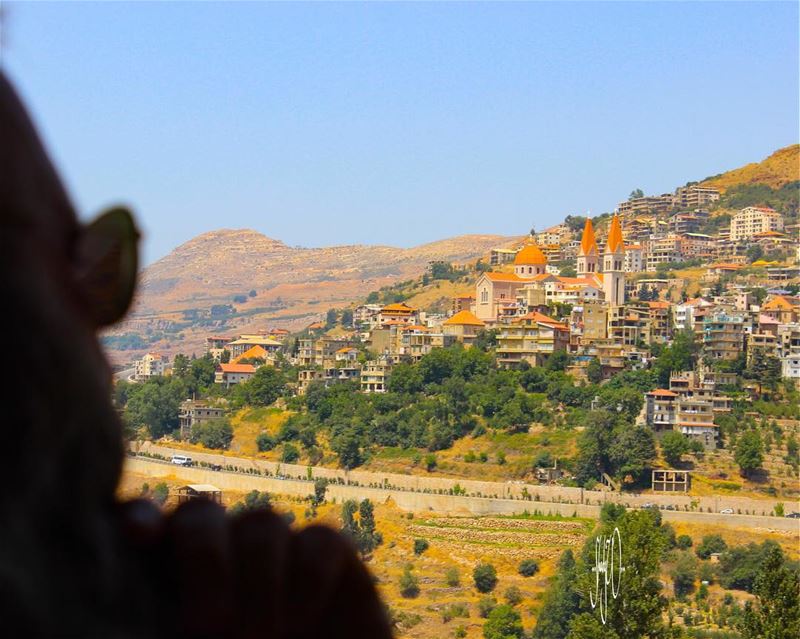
[600, 277]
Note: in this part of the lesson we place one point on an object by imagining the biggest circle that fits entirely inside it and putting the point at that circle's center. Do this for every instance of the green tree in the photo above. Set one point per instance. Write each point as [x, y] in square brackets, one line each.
[265, 442]
[347, 446]
[420, 546]
[503, 623]
[216, 433]
[160, 493]
[154, 404]
[674, 446]
[640, 613]
[409, 583]
[636, 193]
[681, 355]
[561, 601]
[710, 544]
[528, 567]
[263, 388]
[749, 453]
[254, 500]
[684, 574]
[485, 577]
[180, 365]
[776, 611]
[594, 372]
[368, 537]
[289, 454]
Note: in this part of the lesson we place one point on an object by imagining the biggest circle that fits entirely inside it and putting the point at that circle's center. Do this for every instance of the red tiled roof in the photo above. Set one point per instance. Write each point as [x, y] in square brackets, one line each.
[237, 368]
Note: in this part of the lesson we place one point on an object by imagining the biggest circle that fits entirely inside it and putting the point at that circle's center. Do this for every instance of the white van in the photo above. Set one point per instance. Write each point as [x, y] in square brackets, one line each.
[181, 460]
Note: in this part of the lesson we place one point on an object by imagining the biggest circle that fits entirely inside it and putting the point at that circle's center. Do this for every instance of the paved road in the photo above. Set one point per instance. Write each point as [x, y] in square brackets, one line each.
[428, 502]
[125, 374]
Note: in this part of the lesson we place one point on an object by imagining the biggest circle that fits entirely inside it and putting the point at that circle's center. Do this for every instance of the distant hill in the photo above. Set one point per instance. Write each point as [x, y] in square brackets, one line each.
[780, 168]
[231, 281]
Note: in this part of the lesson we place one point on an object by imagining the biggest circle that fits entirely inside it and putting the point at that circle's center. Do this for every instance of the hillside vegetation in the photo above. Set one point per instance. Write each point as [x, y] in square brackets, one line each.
[778, 169]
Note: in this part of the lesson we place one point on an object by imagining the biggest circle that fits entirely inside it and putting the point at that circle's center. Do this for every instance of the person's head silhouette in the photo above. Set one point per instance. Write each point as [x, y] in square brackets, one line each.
[73, 560]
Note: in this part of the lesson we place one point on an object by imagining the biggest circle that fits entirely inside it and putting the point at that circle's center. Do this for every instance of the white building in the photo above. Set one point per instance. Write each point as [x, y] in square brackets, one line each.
[150, 365]
[754, 219]
[231, 374]
[634, 258]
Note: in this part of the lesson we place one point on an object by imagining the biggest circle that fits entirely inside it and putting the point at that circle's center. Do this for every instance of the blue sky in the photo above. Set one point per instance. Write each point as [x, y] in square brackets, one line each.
[322, 124]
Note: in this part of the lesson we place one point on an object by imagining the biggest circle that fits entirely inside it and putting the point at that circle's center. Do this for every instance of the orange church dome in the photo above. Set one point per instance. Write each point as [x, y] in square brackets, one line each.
[530, 255]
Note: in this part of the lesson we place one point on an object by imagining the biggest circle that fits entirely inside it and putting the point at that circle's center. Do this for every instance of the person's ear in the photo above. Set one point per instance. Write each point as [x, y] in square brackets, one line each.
[107, 265]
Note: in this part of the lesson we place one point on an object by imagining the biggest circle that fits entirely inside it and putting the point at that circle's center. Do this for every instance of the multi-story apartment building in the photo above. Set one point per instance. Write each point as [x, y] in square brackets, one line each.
[193, 412]
[215, 345]
[634, 258]
[245, 342]
[650, 204]
[695, 196]
[399, 312]
[531, 338]
[366, 314]
[685, 316]
[663, 249]
[151, 365]
[752, 220]
[499, 256]
[554, 235]
[463, 327]
[724, 336]
[688, 222]
[694, 245]
[625, 327]
[318, 351]
[375, 374]
[418, 341]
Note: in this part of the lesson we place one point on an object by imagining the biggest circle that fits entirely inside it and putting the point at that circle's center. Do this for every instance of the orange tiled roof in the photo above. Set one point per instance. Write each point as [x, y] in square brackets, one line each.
[778, 303]
[398, 307]
[464, 318]
[251, 353]
[238, 368]
[661, 392]
[504, 277]
[544, 319]
[658, 304]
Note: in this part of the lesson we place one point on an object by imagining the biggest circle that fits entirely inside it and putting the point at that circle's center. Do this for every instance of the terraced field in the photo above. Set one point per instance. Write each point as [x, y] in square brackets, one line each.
[461, 543]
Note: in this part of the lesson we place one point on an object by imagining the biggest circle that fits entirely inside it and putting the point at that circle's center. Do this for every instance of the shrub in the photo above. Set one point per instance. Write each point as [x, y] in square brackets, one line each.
[528, 567]
[710, 544]
[503, 623]
[485, 606]
[265, 442]
[485, 577]
[684, 542]
[451, 577]
[216, 433]
[420, 546]
[290, 454]
[409, 584]
[160, 493]
[430, 462]
[513, 596]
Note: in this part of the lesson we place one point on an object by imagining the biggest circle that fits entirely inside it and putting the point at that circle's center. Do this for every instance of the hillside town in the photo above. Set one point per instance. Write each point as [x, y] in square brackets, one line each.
[610, 297]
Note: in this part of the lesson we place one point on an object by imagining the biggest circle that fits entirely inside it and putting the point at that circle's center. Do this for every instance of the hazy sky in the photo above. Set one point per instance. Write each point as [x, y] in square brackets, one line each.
[323, 124]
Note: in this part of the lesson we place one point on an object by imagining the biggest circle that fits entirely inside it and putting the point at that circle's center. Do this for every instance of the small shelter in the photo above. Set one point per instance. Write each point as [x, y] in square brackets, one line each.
[191, 492]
